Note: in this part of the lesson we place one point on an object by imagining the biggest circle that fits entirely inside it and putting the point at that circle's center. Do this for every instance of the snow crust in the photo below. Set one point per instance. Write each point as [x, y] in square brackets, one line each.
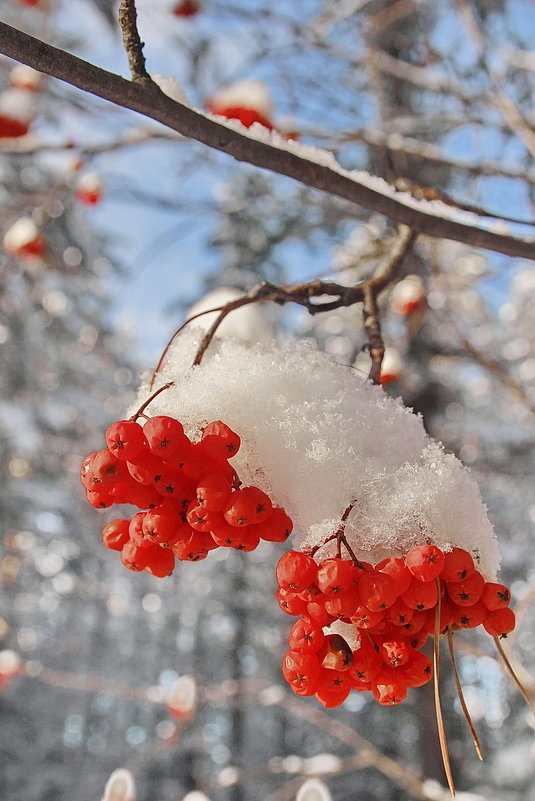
[316, 437]
[246, 323]
[249, 93]
[170, 87]
[17, 104]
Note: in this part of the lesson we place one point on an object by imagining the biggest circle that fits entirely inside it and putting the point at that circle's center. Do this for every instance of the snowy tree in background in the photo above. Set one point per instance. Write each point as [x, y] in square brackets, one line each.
[109, 220]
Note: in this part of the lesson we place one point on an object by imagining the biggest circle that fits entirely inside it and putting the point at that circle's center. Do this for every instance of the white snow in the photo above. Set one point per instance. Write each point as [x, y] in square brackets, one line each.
[249, 93]
[89, 182]
[17, 104]
[21, 233]
[313, 790]
[291, 404]
[171, 88]
[24, 77]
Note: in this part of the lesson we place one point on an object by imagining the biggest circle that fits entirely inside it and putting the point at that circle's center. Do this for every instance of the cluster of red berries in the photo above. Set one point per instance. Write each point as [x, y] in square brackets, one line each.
[392, 607]
[192, 497]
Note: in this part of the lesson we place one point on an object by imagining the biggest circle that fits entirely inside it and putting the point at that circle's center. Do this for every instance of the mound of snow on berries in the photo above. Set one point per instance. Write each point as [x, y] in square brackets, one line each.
[316, 436]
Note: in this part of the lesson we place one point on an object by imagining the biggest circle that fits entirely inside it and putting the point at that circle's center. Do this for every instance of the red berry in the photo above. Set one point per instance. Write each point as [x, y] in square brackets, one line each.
[458, 565]
[395, 653]
[135, 558]
[500, 622]
[421, 594]
[213, 491]
[335, 576]
[161, 561]
[315, 610]
[277, 528]
[166, 438]
[425, 562]
[107, 469]
[469, 617]
[147, 469]
[377, 590]
[331, 696]
[397, 570]
[163, 526]
[399, 614]
[306, 636]
[201, 519]
[467, 592]
[247, 506]
[115, 534]
[301, 671]
[99, 499]
[344, 604]
[390, 694]
[243, 538]
[366, 665]
[221, 440]
[86, 476]
[495, 596]
[290, 602]
[364, 619]
[125, 439]
[296, 571]
[195, 548]
[419, 670]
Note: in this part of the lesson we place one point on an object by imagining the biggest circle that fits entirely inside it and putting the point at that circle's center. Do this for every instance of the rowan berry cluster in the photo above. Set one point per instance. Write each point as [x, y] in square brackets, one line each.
[392, 608]
[191, 497]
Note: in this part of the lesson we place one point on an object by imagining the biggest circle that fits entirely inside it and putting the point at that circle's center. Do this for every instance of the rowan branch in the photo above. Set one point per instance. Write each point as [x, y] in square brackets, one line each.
[315, 169]
[132, 41]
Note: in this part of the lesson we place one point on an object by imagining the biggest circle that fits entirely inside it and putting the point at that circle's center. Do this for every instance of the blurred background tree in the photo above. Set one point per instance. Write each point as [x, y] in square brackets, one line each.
[437, 99]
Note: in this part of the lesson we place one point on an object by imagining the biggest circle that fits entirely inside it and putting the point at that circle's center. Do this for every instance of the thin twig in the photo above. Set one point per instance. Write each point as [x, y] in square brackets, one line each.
[132, 42]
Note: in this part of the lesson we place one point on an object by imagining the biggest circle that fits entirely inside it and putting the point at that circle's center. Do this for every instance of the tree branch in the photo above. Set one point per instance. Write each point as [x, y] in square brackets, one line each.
[317, 169]
[132, 41]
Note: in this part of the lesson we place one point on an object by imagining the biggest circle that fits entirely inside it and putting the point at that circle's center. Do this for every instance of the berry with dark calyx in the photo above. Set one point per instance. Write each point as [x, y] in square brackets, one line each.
[425, 562]
[201, 519]
[172, 483]
[363, 618]
[495, 596]
[86, 476]
[221, 440]
[115, 534]
[142, 497]
[290, 602]
[500, 622]
[335, 653]
[163, 526]
[195, 548]
[301, 671]
[344, 604]
[166, 439]
[213, 491]
[107, 469]
[458, 565]
[397, 570]
[247, 506]
[277, 528]
[421, 594]
[244, 538]
[147, 469]
[335, 575]
[125, 439]
[134, 557]
[418, 621]
[377, 590]
[99, 499]
[469, 617]
[306, 636]
[315, 610]
[332, 696]
[296, 571]
[419, 670]
[467, 592]
[395, 653]
[135, 530]
[399, 614]
[366, 665]
[390, 694]
[160, 562]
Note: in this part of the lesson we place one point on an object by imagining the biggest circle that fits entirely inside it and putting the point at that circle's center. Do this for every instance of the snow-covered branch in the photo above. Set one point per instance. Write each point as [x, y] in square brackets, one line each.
[310, 166]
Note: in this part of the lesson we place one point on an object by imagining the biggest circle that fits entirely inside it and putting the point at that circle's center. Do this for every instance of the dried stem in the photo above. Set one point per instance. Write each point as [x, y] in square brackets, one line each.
[438, 708]
[150, 399]
[473, 732]
[132, 42]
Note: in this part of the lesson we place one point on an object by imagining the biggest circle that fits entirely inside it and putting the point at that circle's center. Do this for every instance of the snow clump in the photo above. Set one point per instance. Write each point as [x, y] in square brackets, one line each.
[317, 437]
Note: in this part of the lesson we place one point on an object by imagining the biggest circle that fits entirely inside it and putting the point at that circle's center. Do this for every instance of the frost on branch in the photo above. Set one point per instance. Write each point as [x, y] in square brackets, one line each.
[316, 436]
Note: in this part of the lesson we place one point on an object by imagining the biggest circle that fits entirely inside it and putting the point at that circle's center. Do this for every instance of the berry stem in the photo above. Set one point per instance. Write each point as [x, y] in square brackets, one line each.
[473, 732]
[438, 708]
[144, 405]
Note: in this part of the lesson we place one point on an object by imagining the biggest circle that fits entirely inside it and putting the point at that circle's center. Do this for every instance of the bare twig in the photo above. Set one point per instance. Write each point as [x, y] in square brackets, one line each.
[277, 155]
[132, 42]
